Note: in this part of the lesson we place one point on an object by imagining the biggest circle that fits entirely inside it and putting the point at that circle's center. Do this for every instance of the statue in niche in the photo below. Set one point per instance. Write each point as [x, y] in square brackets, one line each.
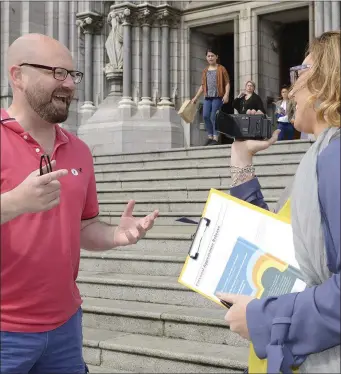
[114, 45]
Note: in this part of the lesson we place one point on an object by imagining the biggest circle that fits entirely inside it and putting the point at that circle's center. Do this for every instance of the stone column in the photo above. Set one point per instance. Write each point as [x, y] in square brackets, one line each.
[49, 17]
[89, 23]
[126, 19]
[5, 28]
[63, 22]
[145, 17]
[319, 18]
[327, 15]
[165, 18]
[336, 15]
[25, 17]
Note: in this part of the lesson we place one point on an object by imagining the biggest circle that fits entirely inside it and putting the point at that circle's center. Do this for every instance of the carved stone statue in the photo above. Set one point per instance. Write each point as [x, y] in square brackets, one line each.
[114, 45]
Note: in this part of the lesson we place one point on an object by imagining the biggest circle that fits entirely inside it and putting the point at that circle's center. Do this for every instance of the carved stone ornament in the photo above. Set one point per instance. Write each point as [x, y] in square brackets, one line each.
[145, 16]
[89, 22]
[167, 17]
[125, 16]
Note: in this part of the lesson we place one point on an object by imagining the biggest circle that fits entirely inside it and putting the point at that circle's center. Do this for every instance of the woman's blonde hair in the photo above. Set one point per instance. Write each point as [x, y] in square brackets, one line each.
[324, 79]
[252, 82]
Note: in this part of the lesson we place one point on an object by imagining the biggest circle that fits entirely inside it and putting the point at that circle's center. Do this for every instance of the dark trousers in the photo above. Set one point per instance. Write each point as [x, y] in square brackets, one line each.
[287, 131]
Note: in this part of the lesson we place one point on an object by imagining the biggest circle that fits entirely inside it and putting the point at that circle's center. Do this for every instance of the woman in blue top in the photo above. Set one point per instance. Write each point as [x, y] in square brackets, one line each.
[302, 329]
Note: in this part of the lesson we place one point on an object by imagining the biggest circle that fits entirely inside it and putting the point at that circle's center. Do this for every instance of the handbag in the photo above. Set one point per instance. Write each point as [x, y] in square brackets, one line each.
[188, 111]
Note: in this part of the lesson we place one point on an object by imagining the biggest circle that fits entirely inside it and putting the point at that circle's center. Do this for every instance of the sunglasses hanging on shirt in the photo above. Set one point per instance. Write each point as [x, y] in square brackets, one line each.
[45, 161]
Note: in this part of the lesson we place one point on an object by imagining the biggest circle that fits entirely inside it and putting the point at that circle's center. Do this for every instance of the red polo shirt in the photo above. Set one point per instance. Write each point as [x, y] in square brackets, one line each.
[40, 252]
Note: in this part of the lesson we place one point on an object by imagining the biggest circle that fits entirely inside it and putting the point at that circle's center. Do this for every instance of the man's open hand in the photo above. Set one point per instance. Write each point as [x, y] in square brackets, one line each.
[130, 229]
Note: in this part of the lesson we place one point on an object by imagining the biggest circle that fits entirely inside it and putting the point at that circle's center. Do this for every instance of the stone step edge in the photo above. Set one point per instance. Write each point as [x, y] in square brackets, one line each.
[166, 354]
[190, 158]
[138, 283]
[168, 201]
[166, 236]
[189, 149]
[184, 188]
[185, 167]
[163, 316]
[93, 369]
[114, 213]
[133, 256]
[189, 177]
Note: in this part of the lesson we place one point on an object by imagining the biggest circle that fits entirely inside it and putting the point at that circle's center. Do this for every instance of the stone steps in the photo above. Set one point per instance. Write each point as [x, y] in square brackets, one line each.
[164, 218]
[218, 159]
[162, 241]
[223, 178]
[104, 154]
[109, 172]
[137, 317]
[170, 193]
[101, 370]
[136, 287]
[134, 262]
[164, 205]
[177, 322]
[151, 354]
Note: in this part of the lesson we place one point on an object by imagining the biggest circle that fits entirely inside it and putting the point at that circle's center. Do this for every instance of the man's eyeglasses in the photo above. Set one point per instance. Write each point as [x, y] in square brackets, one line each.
[45, 159]
[59, 73]
[294, 72]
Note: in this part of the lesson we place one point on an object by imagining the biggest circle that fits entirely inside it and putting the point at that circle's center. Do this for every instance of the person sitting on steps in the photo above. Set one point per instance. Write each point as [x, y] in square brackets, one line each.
[248, 102]
[215, 84]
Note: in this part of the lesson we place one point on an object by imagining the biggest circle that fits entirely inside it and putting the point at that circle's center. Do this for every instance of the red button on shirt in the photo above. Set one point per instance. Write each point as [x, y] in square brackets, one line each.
[40, 252]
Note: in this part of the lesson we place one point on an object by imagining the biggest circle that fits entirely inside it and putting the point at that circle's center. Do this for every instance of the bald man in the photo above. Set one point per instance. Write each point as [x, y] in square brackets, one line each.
[49, 210]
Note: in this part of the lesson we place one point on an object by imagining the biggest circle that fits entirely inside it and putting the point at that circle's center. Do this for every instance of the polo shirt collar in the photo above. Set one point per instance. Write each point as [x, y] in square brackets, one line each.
[12, 124]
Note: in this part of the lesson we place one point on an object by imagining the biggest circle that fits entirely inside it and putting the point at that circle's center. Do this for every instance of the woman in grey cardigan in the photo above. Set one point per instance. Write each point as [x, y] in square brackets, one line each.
[302, 329]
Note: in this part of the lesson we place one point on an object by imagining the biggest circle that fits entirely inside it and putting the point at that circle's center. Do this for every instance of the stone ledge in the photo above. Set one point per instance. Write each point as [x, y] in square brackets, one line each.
[97, 149]
[176, 349]
[207, 176]
[184, 188]
[182, 167]
[203, 316]
[132, 280]
[190, 158]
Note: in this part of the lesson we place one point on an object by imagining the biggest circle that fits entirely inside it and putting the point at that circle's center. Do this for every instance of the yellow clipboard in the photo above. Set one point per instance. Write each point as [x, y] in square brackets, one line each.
[255, 365]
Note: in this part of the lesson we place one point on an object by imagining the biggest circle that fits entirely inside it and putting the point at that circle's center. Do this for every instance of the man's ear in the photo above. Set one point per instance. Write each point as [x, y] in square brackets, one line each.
[15, 74]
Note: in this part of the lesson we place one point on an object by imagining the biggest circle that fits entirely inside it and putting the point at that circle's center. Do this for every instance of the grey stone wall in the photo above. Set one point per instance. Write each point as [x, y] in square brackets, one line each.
[199, 44]
[254, 50]
[268, 82]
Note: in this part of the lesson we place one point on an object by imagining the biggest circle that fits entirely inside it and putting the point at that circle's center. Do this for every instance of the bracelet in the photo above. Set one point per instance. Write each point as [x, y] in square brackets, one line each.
[241, 175]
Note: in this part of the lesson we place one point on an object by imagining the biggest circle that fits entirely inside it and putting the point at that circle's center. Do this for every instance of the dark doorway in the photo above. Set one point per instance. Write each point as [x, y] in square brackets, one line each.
[293, 42]
[225, 49]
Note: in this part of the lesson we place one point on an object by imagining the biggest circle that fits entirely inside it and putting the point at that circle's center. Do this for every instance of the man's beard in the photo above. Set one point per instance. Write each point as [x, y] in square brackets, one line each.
[47, 106]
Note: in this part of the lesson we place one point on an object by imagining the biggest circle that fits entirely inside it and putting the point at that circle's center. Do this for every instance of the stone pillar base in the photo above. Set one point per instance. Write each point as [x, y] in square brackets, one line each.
[146, 101]
[126, 102]
[165, 101]
[86, 111]
[117, 129]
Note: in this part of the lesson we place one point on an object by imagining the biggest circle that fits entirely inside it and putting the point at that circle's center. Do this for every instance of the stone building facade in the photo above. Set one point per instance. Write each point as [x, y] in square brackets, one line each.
[141, 59]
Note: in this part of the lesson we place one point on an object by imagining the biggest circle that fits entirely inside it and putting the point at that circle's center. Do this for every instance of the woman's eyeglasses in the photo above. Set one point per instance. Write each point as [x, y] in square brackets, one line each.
[45, 161]
[295, 72]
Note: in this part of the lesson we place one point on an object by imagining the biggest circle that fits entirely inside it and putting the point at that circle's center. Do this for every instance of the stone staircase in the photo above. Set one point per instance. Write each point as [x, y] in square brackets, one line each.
[137, 317]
